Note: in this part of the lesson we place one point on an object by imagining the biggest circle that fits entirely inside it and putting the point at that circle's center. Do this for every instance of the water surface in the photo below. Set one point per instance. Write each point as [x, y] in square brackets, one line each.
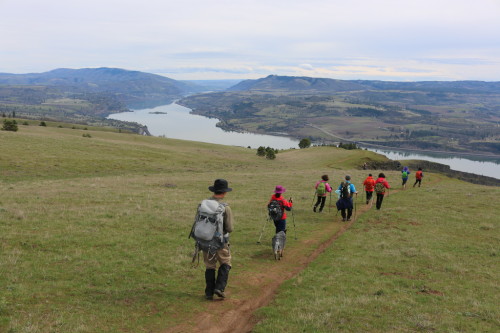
[176, 122]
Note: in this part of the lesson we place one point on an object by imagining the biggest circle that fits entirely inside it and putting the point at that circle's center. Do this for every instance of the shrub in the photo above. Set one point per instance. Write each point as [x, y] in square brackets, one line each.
[270, 154]
[305, 143]
[9, 125]
[42, 123]
[261, 151]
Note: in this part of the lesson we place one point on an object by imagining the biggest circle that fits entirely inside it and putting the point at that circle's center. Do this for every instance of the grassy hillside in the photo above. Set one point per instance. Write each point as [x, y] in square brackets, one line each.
[427, 262]
[93, 231]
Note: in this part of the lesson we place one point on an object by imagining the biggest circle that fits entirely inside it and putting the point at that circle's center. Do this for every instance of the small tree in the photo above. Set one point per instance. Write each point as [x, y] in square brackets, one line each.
[42, 123]
[9, 125]
[305, 143]
[270, 154]
[261, 151]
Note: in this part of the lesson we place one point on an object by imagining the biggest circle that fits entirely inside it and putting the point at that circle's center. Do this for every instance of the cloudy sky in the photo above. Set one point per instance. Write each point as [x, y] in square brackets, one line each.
[397, 40]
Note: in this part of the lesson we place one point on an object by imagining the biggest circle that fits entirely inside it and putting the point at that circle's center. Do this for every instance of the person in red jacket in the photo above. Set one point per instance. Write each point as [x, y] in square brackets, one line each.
[418, 177]
[280, 224]
[380, 185]
[369, 185]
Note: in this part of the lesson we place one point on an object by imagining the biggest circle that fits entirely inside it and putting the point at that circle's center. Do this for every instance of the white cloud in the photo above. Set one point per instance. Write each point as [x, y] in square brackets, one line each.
[307, 67]
[361, 39]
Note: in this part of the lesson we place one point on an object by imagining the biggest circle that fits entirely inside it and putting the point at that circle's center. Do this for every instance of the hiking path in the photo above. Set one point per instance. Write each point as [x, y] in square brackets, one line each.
[236, 313]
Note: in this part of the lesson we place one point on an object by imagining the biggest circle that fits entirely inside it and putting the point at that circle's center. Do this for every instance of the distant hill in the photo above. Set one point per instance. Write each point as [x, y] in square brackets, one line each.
[86, 96]
[310, 84]
[212, 85]
[296, 83]
[455, 116]
[127, 86]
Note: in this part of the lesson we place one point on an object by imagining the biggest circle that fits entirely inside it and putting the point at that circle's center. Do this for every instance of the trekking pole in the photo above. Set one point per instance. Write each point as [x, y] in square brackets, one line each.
[314, 197]
[355, 207]
[293, 220]
[330, 203]
[262, 231]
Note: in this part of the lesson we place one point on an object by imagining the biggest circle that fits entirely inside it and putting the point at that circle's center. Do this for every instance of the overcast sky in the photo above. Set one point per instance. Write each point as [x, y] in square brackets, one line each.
[397, 40]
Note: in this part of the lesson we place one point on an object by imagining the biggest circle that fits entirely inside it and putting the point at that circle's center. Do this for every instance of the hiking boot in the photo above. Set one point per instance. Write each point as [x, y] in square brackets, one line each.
[220, 293]
[209, 298]
[343, 219]
[348, 219]
[314, 209]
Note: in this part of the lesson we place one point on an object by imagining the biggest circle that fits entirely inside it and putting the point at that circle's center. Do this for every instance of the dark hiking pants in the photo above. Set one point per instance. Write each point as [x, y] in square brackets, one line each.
[380, 198]
[320, 202]
[369, 195]
[344, 215]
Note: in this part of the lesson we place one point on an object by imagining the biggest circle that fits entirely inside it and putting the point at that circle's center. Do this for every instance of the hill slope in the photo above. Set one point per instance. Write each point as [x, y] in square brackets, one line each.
[127, 86]
[310, 84]
[93, 237]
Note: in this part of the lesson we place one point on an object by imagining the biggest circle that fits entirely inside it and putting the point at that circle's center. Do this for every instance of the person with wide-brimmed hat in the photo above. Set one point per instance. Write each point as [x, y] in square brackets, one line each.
[223, 255]
[280, 222]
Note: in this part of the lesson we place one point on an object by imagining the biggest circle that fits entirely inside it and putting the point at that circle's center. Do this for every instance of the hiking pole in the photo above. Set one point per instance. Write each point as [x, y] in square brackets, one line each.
[262, 231]
[314, 197]
[330, 203]
[355, 207]
[293, 220]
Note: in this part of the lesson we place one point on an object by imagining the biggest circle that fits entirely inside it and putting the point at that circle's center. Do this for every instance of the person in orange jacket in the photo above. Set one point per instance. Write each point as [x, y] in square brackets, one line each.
[369, 185]
[418, 177]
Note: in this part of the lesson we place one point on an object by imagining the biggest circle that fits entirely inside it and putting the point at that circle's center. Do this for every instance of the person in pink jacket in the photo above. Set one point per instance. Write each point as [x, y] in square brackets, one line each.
[322, 189]
[380, 185]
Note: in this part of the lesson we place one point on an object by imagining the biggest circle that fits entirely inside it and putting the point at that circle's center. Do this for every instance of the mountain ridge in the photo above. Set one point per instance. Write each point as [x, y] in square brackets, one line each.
[312, 84]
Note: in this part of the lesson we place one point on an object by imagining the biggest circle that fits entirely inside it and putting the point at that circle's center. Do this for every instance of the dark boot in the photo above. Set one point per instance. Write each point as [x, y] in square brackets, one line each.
[221, 282]
[210, 282]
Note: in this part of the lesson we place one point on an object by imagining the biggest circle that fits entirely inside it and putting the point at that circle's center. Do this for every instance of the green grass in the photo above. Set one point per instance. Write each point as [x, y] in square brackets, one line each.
[93, 231]
[427, 262]
[93, 237]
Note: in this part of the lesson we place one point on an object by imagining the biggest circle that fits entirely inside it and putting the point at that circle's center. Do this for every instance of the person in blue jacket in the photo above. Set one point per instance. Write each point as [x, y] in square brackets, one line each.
[404, 175]
[345, 203]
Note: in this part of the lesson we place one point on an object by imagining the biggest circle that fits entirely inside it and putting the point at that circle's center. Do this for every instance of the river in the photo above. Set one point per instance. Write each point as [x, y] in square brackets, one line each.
[485, 166]
[176, 122]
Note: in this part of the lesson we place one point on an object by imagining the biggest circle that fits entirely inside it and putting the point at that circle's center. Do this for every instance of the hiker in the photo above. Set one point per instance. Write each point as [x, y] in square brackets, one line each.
[369, 185]
[322, 188]
[345, 202]
[222, 254]
[380, 185]
[404, 176]
[280, 221]
[418, 177]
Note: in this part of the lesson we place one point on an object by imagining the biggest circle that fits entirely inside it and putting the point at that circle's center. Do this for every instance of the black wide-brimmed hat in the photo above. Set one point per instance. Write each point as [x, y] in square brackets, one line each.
[220, 185]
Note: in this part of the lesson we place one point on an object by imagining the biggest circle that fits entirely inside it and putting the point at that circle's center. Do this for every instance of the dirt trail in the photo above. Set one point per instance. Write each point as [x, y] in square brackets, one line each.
[258, 290]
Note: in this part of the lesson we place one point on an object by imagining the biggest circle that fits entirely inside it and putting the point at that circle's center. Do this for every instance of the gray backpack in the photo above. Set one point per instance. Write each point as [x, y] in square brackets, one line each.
[207, 229]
